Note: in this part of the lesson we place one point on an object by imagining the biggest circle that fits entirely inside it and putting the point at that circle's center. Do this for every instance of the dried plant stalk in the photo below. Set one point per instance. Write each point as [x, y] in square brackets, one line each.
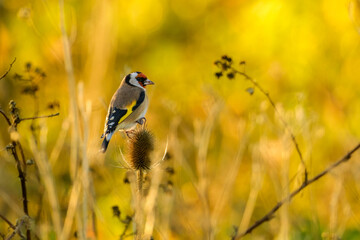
[141, 145]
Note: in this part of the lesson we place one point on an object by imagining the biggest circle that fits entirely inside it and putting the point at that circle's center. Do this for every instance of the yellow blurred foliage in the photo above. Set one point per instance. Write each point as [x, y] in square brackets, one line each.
[233, 158]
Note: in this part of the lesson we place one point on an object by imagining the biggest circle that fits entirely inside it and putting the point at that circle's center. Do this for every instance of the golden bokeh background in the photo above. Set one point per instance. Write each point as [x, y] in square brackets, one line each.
[232, 156]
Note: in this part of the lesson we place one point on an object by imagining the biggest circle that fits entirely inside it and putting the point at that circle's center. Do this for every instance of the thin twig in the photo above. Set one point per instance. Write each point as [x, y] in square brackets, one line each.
[6, 117]
[285, 124]
[271, 213]
[7, 221]
[11, 225]
[19, 224]
[46, 116]
[22, 177]
[127, 222]
[22, 155]
[6, 73]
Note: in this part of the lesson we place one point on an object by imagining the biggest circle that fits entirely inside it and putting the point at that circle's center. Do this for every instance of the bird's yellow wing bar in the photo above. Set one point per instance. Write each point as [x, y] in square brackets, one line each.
[129, 110]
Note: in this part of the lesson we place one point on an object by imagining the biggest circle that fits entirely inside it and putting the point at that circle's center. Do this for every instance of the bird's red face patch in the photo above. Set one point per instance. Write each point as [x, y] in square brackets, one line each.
[141, 75]
[141, 79]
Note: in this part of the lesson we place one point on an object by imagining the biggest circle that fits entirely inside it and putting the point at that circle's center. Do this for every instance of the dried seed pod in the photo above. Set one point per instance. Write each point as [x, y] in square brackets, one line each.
[141, 144]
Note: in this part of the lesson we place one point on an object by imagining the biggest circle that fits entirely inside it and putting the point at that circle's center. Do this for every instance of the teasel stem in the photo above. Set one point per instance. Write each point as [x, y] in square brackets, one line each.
[139, 214]
[140, 176]
[141, 145]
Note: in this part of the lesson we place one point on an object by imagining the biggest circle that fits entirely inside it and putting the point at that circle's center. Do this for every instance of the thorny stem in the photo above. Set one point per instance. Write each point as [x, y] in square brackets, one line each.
[285, 124]
[6, 73]
[271, 213]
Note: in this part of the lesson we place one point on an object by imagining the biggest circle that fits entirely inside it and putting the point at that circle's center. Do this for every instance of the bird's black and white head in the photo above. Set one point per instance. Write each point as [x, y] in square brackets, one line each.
[138, 79]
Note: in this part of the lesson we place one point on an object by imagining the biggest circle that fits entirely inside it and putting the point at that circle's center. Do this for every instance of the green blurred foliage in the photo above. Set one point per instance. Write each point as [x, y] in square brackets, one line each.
[306, 54]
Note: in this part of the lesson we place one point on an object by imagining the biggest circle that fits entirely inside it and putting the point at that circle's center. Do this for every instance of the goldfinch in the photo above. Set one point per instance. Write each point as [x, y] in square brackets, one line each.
[127, 107]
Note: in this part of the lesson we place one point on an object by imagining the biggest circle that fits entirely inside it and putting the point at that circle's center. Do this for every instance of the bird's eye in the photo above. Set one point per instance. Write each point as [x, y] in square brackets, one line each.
[140, 79]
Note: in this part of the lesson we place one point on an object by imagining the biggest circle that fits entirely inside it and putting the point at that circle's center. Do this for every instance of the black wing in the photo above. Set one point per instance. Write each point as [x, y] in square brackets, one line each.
[115, 115]
[113, 118]
[139, 101]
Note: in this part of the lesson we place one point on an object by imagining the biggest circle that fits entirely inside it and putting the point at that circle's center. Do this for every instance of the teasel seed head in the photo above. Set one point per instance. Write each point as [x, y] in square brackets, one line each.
[141, 144]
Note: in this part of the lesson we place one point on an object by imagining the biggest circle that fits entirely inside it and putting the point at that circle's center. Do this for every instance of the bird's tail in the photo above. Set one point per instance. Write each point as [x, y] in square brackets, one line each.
[104, 145]
[106, 141]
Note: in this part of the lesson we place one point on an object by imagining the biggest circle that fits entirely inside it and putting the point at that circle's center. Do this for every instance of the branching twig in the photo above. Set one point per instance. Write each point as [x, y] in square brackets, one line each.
[226, 65]
[13, 122]
[11, 225]
[127, 221]
[271, 213]
[6, 73]
[19, 224]
[47, 116]
[21, 170]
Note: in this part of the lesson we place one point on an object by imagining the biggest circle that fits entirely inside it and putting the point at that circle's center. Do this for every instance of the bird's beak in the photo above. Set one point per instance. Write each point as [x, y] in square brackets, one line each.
[148, 82]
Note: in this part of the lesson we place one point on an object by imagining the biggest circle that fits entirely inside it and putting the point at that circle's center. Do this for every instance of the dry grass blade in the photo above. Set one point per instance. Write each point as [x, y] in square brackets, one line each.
[256, 182]
[150, 203]
[203, 138]
[74, 116]
[85, 111]
[72, 207]
[47, 177]
[229, 182]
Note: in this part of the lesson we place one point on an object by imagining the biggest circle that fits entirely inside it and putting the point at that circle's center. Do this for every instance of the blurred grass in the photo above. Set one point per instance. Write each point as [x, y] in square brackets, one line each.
[306, 54]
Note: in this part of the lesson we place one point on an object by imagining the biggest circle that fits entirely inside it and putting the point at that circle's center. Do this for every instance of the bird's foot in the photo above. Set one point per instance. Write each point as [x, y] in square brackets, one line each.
[141, 121]
[130, 133]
